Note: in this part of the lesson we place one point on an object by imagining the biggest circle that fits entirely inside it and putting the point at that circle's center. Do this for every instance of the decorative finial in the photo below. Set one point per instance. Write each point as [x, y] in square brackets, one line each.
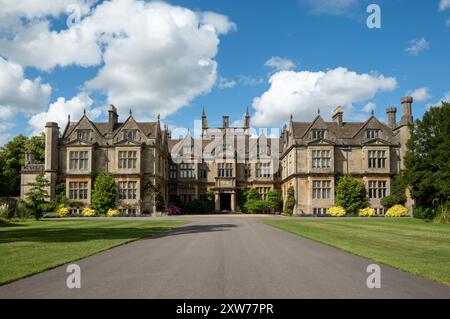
[84, 112]
[68, 118]
[292, 117]
[131, 112]
[158, 117]
[246, 112]
[203, 112]
[373, 112]
[318, 110]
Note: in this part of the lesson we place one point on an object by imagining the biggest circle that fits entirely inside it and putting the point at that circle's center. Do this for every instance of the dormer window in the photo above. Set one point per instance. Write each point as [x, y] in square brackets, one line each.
[84, 135]
[186, 150]
[129, 135]
[372, 134]
[318, 134]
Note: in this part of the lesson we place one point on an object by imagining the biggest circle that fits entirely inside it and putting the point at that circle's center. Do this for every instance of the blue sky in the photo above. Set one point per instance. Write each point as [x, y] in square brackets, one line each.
[357, 66]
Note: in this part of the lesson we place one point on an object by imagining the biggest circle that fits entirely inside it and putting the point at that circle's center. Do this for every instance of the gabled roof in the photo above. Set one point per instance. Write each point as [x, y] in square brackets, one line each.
[346, 131]
[149, 129]
[71, 126]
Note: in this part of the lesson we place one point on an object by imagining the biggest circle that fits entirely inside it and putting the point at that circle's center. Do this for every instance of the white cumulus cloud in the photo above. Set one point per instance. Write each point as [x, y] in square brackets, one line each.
[331, 7]
[417, 45]
[153, 57]
[369, 107]
[420, 94]
[19, 93]
[59, 111]
[302, 93]
[444, 5]
[280, 64]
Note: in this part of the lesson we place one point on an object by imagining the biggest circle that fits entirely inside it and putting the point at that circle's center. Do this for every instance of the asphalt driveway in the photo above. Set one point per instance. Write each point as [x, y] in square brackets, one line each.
[224, 257]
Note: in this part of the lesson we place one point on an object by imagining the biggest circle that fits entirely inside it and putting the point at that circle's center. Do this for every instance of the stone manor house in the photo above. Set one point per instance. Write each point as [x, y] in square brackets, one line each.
[309, 156]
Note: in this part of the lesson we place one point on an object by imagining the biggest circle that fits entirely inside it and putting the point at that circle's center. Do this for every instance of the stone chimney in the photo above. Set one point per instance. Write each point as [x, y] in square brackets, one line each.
[338, 116]
[226, 121]
[407, 110]
[113, 118]
[51, 156]
[392, 117]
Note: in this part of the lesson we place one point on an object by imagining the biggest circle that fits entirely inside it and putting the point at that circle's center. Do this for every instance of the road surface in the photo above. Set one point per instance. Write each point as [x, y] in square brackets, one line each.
[224, 257]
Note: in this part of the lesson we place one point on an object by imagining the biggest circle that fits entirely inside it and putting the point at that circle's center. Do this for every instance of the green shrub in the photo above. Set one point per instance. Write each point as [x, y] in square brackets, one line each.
[255, 206]
[195, 207]
[36, 197]
[443, 214]
[424, 213]
[241, 200]
[351, 194]
[159, 202]
[290, 201]
[104, 193]
[4, 221]
[23, 212]
[274, 201]
[392, 200]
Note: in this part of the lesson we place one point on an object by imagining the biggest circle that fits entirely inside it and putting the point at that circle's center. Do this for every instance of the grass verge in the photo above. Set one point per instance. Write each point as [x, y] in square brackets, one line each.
[30, 247]
[408, 244]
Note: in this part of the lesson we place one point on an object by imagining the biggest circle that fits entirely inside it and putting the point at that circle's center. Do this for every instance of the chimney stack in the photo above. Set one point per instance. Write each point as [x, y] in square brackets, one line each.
[338, 116]
[226, 121]
[392, 117]
[113, 118]
[407, 110]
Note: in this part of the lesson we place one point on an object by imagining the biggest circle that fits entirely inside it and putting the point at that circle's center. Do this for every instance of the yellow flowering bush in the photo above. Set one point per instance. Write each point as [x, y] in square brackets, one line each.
[112, 213]
[397, 211]
[367, 212]
[62, 211]
[88, 212]
[336, 211]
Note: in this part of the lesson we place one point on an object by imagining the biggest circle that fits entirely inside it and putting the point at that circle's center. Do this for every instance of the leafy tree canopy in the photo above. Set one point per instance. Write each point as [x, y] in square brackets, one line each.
[103, 194]
[351, 194]
[290, 201]
[428, 158]
[36, 198]
[12, 158]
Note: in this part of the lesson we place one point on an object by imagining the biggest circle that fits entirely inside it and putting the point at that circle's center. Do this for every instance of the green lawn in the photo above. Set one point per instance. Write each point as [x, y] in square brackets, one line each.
[408, 244]
[34, 246]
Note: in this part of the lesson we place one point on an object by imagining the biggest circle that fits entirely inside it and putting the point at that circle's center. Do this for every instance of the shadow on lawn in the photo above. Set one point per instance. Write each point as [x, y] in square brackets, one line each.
[53, 234]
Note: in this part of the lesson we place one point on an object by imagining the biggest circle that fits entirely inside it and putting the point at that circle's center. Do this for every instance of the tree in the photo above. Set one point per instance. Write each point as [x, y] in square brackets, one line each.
[351, 194]
[104, 194]
[253, 203]
[398, 188]
[209, 198]
[36, 145]
[290, 201]
[159, 202]
[427, 160]
[242, 199]
[12, 158]
[37, 196]
[274, 201]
